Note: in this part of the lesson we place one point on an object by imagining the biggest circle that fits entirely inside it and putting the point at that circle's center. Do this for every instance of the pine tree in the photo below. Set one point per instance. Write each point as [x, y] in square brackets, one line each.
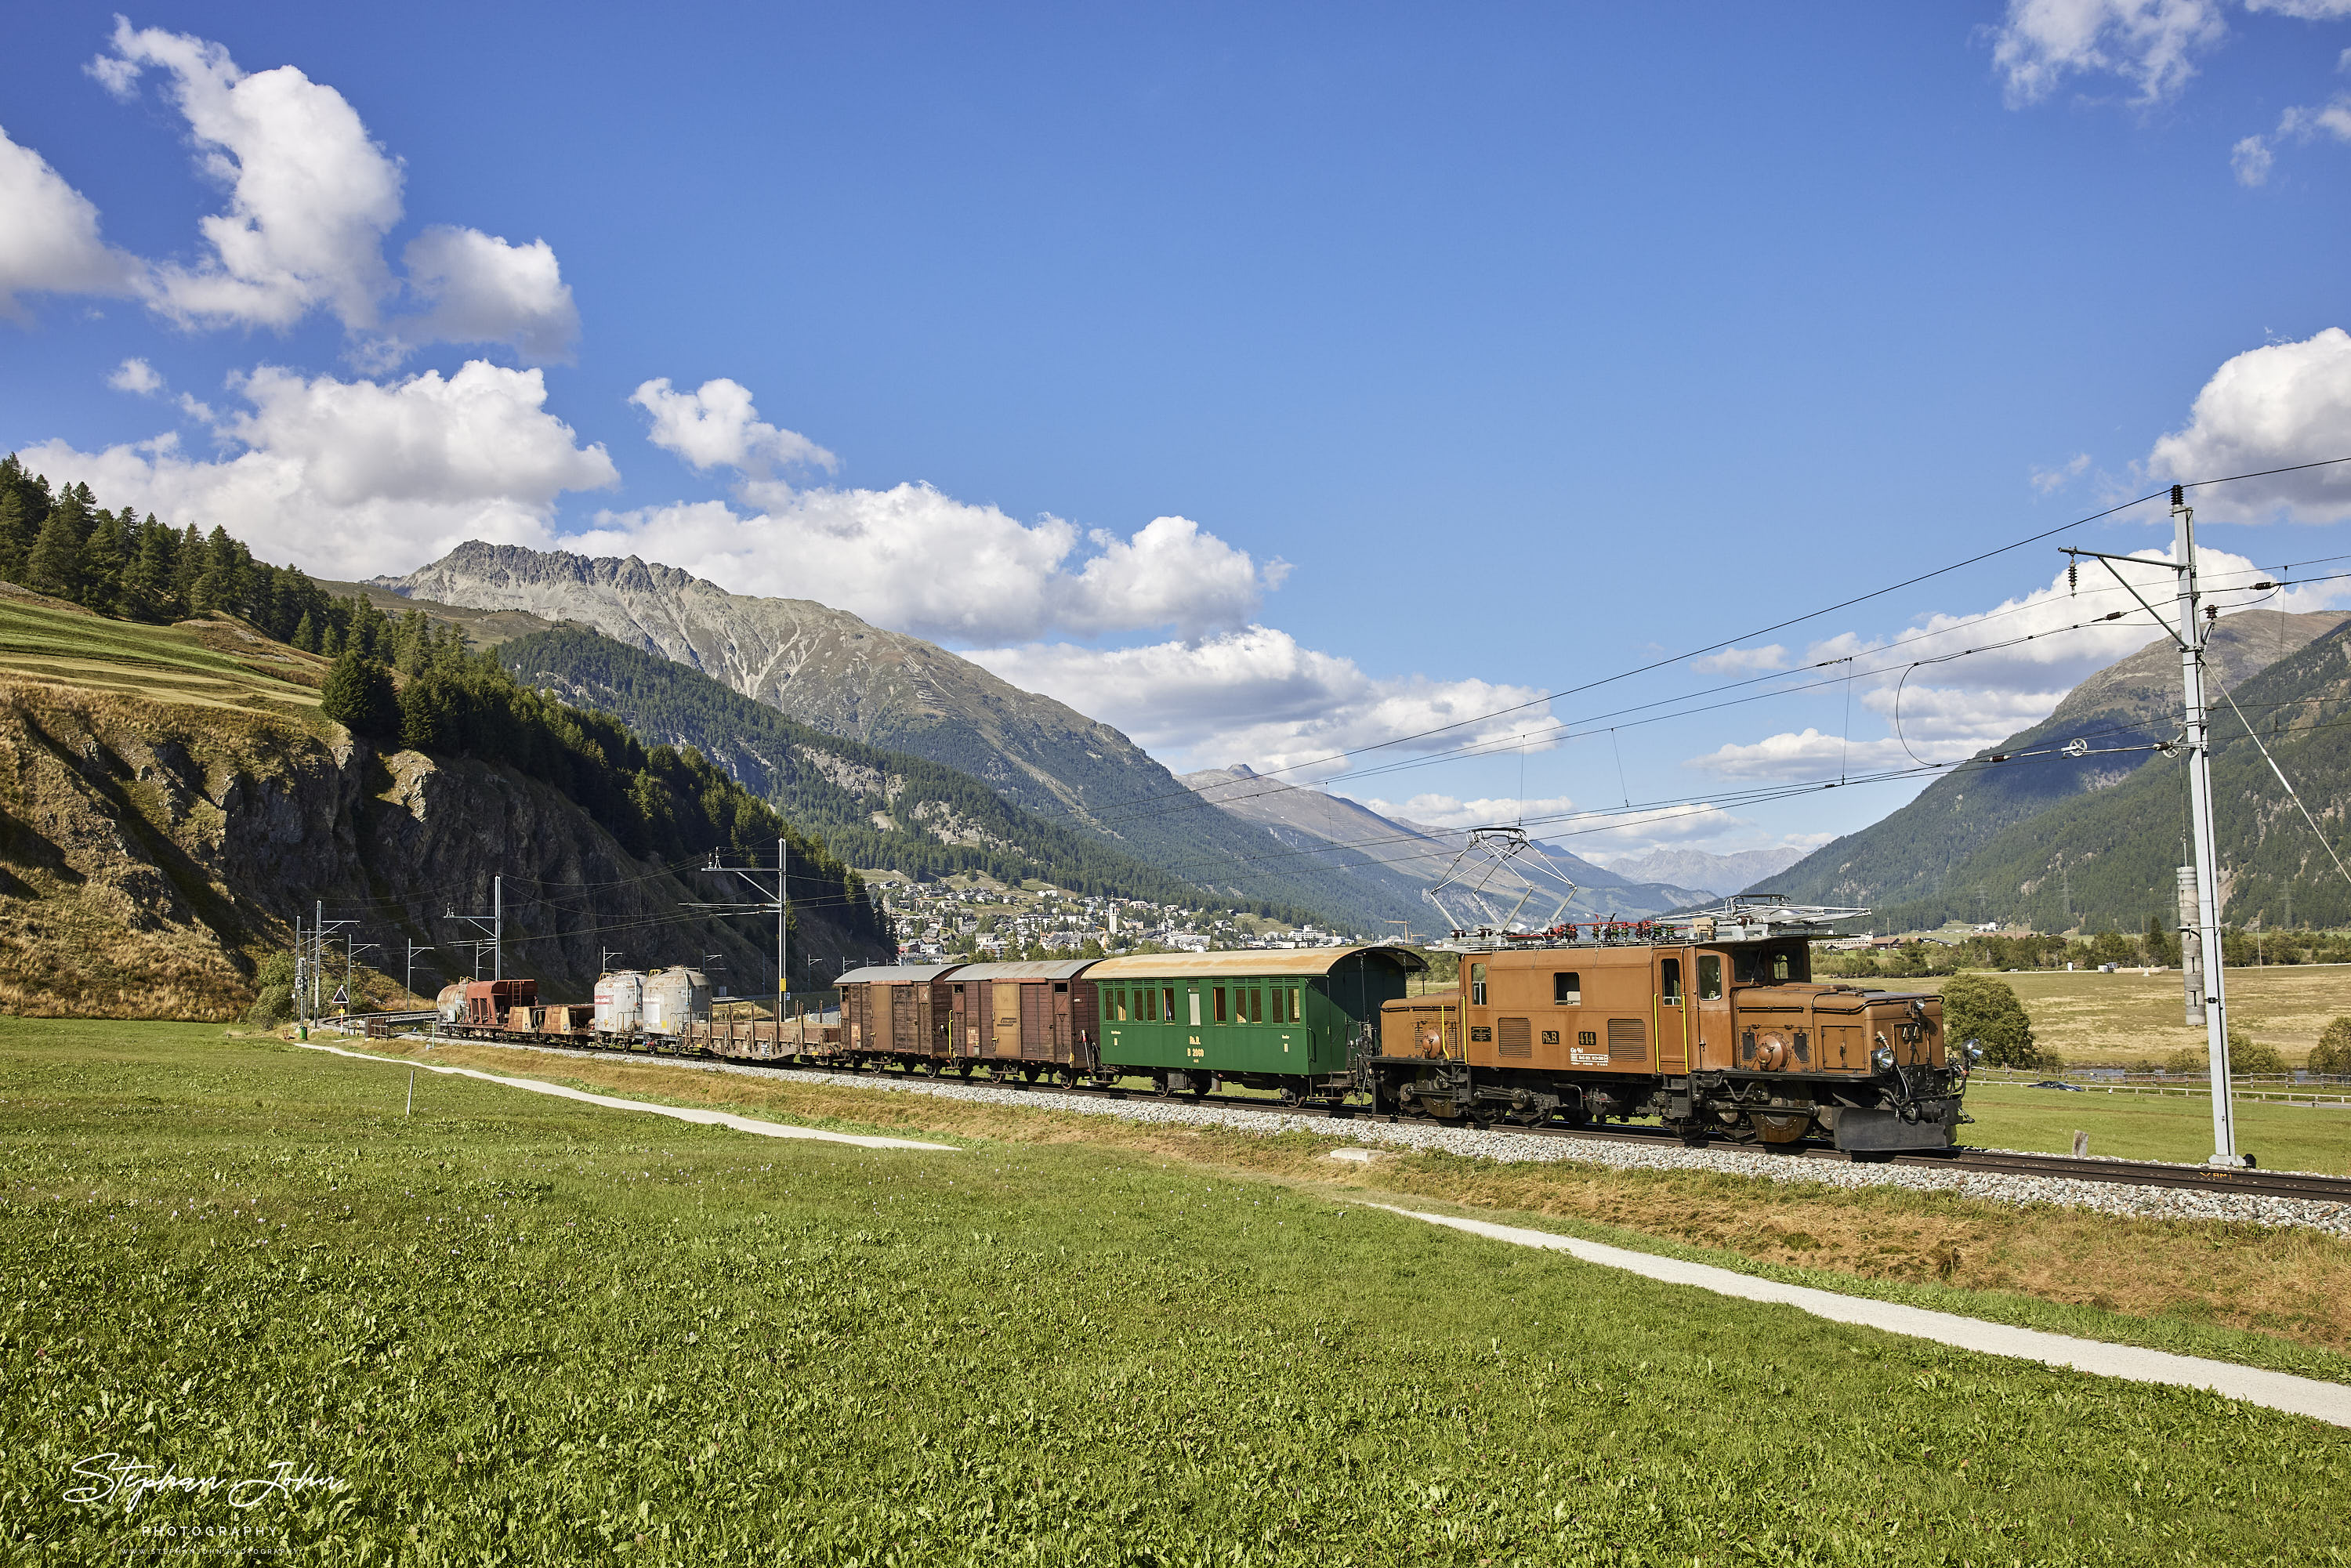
[306, 636]
[187, 565]
[104, 554]
[359, 694]
[147, 581]
[54, 567]
[18, 532]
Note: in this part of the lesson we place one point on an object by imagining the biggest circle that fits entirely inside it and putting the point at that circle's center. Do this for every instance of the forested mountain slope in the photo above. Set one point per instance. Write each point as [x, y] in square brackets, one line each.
[834, 672]
[1904, 860]
[873, 807]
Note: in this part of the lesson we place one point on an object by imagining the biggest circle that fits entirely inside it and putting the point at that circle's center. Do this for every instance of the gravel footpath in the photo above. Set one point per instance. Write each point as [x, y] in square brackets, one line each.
[2106, 1198]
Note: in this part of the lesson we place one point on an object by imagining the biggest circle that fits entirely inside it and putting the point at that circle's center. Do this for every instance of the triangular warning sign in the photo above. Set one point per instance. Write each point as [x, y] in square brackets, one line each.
[342, 995]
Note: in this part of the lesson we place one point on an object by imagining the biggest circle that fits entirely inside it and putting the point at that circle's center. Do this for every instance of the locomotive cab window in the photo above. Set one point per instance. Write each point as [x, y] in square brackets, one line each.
[1773, 965]
[1567, 990]
[1477, 985]
[1709, 977]
[1670, 979]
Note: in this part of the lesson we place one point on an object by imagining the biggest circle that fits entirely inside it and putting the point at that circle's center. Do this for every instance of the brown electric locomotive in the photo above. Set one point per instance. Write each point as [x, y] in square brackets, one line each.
[1711, 1024]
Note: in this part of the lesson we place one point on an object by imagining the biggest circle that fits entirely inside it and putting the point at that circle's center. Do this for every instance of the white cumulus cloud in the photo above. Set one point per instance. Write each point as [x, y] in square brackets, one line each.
[1771, 656]
[312, 198]
[716, 427]
[1452, 812]
[477, 289]
[2270, 407]
[136, 376]
[48, 236]
[2151, 44]
[1809, 754]
[311, 194]
[350, 478]
[1256, 696]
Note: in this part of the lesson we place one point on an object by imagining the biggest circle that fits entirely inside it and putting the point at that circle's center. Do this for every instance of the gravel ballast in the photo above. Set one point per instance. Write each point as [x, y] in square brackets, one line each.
[1504, 1148]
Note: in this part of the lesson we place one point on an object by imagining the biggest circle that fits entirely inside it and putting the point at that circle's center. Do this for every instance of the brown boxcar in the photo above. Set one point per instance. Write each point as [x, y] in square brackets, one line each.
[893, 1010]
[489, 1003]
[1027, 1018]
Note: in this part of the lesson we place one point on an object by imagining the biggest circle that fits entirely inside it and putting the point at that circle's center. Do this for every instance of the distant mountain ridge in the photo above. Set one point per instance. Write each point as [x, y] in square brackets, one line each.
[1705, 869]
[836, 673]
[1407, 857]
[1917, 862]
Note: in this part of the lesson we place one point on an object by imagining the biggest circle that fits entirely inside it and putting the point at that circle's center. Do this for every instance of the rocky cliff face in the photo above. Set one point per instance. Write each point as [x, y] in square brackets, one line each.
[149, 853]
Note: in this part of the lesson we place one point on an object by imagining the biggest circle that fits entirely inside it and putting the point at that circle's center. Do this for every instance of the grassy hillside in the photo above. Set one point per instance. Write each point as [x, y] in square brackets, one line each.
[873, 807]
[528, 1330]
[2107, 858]
[1910, 861]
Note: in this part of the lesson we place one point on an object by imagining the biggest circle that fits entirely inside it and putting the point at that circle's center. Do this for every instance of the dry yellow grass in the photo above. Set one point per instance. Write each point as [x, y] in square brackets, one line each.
[2091, 1019]
[2289, 1283]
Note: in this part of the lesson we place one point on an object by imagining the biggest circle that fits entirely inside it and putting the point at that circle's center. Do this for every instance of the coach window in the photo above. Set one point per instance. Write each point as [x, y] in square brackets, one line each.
[1567, 990]
[1168, 994]
[1257, 1006]
[1476, 985]
[1669, 978]
[1709, 977]
[1194, 997]
[1219, 992]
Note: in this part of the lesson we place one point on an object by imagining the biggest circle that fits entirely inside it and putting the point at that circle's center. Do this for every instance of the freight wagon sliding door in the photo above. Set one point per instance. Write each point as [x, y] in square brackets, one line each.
[1036, 1022]
[1004, 1001]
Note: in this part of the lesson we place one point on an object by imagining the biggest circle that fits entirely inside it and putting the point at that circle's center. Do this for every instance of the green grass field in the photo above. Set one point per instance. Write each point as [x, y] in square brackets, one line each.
[2146, 1127]
[212, 663]
[520, 1331]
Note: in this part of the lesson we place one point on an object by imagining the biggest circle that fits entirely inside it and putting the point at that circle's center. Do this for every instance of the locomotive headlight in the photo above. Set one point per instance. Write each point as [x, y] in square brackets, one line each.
[1975, 1051]
[1882, 1058]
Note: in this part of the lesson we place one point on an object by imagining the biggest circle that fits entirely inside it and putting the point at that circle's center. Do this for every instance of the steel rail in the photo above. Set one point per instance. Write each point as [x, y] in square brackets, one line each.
[2302, 1187]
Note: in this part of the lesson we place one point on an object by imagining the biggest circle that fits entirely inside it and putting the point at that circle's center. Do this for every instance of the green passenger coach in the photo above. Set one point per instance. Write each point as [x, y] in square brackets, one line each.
[1264, 1019]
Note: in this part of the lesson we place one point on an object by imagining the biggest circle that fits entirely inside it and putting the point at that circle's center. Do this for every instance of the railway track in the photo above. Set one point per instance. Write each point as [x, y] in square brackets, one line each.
[2300, 1186]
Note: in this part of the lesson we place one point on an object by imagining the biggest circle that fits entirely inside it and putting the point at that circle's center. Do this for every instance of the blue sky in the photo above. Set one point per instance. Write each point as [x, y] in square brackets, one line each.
[1265, 380]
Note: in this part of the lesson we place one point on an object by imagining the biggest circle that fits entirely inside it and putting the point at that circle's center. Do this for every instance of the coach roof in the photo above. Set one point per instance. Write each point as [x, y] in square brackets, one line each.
[1248, 961]
[895, 974]
[1029, 970]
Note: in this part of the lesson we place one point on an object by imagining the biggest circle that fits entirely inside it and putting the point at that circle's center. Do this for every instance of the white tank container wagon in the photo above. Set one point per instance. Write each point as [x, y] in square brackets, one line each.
[644, 1011]
[677, 1001]
[619, 1015]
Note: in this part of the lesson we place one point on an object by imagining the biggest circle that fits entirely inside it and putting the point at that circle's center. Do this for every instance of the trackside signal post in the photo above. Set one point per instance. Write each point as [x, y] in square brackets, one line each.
[2199, 880]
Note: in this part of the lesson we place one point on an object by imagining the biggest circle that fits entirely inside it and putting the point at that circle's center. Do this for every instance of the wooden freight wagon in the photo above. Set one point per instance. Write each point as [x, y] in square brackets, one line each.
[1033, 1019]
[1267, 1020]
[891, 1011]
